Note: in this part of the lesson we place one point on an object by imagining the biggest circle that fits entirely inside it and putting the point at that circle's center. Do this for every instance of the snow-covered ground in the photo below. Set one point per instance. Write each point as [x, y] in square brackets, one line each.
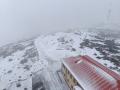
[17, 64]
[61, 45]
[21, 62]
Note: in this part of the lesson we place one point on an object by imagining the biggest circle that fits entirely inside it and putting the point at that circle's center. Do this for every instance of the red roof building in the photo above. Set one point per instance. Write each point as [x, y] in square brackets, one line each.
[91, 75]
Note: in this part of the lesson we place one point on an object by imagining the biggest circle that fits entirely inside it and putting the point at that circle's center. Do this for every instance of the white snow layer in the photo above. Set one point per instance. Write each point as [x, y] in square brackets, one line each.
[50, 47]
[60, 45]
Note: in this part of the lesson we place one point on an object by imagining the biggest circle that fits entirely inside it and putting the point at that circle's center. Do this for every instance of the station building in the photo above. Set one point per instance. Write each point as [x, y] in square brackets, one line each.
[87, 74]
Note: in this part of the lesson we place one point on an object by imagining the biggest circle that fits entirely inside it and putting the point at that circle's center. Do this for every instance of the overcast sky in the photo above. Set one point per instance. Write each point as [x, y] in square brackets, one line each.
[26, 18]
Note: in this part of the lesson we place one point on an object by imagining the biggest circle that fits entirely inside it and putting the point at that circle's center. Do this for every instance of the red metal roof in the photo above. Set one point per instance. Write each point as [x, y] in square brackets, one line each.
[92, 75]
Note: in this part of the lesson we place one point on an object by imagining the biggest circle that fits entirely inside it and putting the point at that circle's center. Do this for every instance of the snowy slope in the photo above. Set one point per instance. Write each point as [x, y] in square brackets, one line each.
[17, 64]
[21, 62]
[60, 45]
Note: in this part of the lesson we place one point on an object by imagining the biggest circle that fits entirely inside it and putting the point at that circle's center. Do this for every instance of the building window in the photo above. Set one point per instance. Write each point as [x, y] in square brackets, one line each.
[67, 71]
[70, 76]
[71, 87]
[74, 80]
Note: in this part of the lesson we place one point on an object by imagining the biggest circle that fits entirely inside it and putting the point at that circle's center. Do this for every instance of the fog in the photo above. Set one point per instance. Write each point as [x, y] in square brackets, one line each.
[21, 19]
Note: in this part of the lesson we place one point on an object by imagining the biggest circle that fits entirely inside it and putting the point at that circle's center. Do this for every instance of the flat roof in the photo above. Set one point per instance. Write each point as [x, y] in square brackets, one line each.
[92, 75]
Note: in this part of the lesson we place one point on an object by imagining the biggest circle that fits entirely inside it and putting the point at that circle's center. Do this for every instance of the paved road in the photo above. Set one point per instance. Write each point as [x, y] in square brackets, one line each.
[50, 76]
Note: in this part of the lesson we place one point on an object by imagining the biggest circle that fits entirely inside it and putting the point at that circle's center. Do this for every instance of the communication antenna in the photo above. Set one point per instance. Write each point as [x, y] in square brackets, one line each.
[109, 14]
